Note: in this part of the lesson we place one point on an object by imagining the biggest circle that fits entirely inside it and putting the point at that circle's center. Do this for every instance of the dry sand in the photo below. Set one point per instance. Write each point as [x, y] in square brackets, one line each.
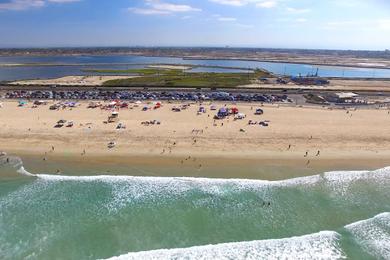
[170, 67]
[72, 80]
[361, 134]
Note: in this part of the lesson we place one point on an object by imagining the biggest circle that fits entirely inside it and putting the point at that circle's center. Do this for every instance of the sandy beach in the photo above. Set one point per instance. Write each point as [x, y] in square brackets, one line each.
[169, 67]
[304, 136]
[72, 80]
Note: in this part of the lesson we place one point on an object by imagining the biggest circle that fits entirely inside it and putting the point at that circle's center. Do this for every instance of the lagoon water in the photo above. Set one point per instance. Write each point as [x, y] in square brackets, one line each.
[333, 215]
[76, 64]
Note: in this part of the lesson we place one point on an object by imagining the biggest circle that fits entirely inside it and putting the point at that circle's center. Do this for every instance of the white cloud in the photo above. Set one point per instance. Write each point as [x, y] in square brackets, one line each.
[156, 7]
[379, 24]
[227, 19]
[224, 18]
[63, 1]
[21, 4]
[267, 4]
[245, 26]
[384, 24]
[301, 20]
[297, 10]
[260, 3]
[17, 5]
[231, 2]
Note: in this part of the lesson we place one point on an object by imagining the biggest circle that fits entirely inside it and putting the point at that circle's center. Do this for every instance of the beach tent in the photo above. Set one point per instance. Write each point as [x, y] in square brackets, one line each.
[157, 105]
[22, 103]
[202, 110]
[213, 107]
[70, 104]
[222, 112]
[138, 102]
[234, 110]
[259, 111]
[240, 116]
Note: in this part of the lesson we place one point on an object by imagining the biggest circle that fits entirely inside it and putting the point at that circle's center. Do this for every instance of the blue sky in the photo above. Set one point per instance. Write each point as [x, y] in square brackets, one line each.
[325, 24]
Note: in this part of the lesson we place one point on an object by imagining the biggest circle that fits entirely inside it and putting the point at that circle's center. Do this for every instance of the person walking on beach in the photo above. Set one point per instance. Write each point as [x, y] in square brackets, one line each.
[318, 153]
[306, 154]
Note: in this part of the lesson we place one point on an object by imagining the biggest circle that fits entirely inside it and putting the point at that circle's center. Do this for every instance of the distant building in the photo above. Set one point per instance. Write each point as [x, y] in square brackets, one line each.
[309, 81]
[341, 97]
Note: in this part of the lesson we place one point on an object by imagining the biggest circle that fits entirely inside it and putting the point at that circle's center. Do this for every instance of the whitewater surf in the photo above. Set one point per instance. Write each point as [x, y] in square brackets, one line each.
[333, 215]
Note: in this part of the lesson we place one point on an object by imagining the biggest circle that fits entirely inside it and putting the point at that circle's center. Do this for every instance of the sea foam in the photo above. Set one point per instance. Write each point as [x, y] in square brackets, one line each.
[322, 245]
[373, 235]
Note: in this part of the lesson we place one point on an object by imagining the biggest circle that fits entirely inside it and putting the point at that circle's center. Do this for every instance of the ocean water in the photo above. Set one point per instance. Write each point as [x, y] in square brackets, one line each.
[79, 63]
[332, 215]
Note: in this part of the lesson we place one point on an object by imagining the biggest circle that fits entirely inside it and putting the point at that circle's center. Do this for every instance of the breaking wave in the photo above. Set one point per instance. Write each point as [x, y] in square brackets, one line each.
[322, 245]
[233, 210]
[373, 235]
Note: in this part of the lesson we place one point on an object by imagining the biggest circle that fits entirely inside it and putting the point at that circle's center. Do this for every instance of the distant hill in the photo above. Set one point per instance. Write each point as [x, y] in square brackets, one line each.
[191, 52]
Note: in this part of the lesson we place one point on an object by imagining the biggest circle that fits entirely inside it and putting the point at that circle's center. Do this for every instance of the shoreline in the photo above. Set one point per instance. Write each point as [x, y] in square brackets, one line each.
[225, 167]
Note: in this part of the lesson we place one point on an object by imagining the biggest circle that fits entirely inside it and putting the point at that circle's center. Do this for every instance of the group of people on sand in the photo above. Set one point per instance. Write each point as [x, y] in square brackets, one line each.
[189, 159]
[318, 153]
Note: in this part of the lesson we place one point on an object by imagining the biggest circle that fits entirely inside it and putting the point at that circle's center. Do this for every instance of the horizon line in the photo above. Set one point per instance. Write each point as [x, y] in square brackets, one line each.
[179, 46]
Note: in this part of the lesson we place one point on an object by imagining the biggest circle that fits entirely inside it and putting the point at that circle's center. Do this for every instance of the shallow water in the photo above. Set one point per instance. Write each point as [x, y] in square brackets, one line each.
[103, 62]
[331, 215]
